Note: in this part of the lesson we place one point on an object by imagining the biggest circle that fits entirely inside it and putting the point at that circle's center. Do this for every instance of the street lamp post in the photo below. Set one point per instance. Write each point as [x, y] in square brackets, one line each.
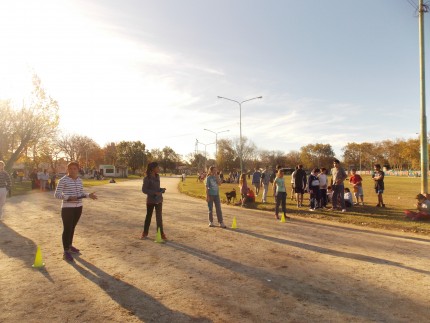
[205, 148]
[216, 140]
[240, 125]
[422, 9]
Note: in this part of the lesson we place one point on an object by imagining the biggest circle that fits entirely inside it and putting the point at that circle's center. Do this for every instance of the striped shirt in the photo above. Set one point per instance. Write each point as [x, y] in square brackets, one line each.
[4, 179]
[69, 187]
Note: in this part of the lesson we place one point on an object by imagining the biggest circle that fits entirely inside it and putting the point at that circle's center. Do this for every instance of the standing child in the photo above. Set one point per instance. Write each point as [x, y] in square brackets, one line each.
[322, 177]
[378, 178]
[314, 189]
[280, 192]
[243, 188]
[357, 186]
[154, 200]
[347, 196]
[71, 191]
[264, 182]
[212, 183]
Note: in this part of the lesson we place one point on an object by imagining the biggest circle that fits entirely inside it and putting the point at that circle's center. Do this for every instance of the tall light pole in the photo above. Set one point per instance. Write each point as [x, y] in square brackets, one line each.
[197, 141]
[422, 9]
[216, 140]
[240, 125]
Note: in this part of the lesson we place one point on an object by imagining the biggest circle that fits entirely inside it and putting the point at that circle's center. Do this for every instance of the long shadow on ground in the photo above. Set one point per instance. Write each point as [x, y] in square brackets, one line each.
[137, 302]
[336, 253]
[17, 246]
[377, 233]
[302, 289]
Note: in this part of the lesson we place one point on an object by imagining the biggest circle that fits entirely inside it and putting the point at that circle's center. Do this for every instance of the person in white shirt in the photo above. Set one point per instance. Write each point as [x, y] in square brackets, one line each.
[323, 187]
[71, 191]
[347, 197]
[43, 178]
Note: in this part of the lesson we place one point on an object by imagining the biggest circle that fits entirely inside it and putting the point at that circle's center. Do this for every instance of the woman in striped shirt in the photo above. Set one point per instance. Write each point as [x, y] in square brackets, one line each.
[71, 191]
[5, 184]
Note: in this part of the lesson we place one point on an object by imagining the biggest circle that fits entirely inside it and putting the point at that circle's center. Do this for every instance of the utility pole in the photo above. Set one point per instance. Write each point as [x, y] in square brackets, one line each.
[422, 9]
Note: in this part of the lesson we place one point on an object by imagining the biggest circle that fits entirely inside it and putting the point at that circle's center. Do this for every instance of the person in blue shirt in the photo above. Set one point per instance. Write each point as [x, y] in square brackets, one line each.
[212, 184]
[256, 177]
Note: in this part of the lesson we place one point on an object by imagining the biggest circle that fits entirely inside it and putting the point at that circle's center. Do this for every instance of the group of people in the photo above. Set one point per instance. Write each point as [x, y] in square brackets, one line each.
[321, 193]
[43, 180]
[70, 191]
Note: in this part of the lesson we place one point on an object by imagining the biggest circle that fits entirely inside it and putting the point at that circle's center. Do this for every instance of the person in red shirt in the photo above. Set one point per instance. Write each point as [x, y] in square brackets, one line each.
[250, 196]
[355, 180]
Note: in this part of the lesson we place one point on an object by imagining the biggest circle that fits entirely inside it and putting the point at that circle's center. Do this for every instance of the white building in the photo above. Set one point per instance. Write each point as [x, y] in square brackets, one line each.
[112, 171]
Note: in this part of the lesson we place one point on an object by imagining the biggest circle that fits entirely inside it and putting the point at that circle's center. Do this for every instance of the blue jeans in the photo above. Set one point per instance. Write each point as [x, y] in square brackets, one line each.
[338, 191]
[214, 199]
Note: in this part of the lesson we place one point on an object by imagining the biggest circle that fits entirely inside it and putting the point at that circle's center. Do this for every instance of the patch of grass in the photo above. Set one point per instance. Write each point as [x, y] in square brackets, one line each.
[25, 186]
[21, 188]
[399, 195]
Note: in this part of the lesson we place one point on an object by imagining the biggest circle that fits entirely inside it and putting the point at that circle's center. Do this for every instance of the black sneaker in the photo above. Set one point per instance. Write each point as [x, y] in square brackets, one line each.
[74, 250]
[68, 257]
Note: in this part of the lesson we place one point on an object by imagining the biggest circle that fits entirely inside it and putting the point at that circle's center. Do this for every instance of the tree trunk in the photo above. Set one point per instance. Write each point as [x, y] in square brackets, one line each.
[16, 154]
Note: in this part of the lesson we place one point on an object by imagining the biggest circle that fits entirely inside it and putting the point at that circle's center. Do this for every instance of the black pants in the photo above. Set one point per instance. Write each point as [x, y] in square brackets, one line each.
[158, 217]
[281, 198]
[323, 197]
[70, 216]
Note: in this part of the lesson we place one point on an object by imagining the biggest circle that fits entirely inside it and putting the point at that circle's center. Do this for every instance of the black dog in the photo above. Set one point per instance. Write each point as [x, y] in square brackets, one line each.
[231, 196]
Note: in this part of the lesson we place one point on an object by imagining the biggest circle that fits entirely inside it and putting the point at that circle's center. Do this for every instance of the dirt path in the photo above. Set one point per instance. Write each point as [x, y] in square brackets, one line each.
[265, 271]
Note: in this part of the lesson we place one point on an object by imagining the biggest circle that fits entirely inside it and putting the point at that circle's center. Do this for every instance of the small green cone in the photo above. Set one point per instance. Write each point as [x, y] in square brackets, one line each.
[158, 238]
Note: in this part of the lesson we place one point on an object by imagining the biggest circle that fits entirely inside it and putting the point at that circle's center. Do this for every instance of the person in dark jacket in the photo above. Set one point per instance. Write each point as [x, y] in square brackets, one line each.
[154, 200]
[314, 189]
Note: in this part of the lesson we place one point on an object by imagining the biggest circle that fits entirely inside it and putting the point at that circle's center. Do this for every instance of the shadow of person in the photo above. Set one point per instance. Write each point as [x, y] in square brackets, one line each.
[14, 245]
[137, 302]
[335, 253]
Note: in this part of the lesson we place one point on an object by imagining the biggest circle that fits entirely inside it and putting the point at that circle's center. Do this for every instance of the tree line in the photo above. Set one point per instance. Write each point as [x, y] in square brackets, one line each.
[30, 134]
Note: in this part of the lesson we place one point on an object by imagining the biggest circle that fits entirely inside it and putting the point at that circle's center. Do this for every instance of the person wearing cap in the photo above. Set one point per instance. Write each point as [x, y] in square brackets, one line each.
[151, 187]
[71, 191]
[423, 207]
[5, 184]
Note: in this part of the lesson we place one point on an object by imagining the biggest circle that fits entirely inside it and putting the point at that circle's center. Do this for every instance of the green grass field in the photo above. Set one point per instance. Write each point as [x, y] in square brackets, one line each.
[399, 195]
[25, 186]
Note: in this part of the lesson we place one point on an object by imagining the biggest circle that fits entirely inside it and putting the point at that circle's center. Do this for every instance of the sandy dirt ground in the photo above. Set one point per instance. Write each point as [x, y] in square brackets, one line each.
[264, 271]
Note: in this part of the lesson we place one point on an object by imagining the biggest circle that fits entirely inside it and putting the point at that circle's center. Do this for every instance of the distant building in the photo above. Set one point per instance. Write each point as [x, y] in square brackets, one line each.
[113, 171]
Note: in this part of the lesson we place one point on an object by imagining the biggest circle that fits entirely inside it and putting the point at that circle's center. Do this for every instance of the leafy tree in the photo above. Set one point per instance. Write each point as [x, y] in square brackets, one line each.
[6, 129]
[292, 159]
[131, 154]
[110, 154]
[170, 159]
[197, 160]
[249, 151]
[316, 155]
[227, 158]
[36, 120]
[410, 154]
[271, 158]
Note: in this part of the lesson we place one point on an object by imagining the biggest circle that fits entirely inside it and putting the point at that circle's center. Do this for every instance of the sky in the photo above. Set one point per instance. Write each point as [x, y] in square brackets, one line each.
[330, 72]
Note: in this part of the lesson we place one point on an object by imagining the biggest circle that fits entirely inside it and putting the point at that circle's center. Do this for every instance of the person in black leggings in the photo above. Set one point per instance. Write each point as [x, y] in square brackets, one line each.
[154, 200]
[71, 191]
